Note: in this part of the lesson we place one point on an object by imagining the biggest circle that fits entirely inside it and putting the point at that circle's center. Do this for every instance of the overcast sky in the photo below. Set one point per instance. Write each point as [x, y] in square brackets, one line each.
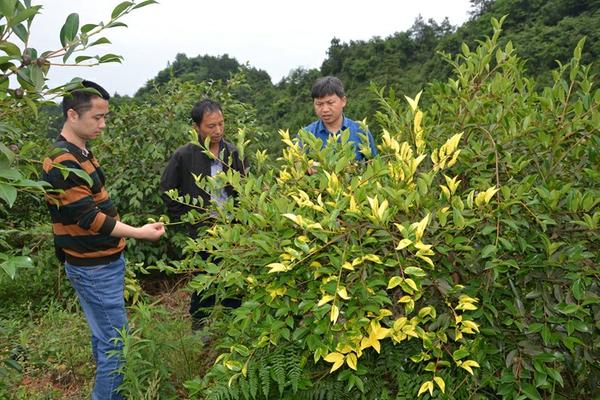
[276, 36]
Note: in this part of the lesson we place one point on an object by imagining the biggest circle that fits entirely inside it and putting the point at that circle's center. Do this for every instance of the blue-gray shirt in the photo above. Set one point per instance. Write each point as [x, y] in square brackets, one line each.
[318, 129]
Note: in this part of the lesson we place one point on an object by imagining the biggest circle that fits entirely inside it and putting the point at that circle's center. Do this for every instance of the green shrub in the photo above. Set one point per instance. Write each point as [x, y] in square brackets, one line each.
[450, 261]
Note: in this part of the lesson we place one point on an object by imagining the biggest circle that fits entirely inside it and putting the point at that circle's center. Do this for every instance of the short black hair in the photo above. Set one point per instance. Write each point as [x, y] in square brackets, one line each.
[206, 106]
[326, 86]
[80, 99]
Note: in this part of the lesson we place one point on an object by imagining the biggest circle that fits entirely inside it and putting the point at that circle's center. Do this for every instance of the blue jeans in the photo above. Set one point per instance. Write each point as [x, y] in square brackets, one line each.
[100, 292]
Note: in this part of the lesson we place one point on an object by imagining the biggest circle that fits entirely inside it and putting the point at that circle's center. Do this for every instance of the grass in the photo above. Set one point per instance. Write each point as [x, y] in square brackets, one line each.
[43, 329]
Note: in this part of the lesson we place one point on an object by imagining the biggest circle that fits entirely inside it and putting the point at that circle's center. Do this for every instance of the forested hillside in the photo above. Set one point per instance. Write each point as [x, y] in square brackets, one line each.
[542, 31]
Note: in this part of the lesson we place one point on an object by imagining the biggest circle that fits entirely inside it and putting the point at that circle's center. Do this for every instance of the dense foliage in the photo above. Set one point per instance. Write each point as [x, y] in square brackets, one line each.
[461, 263]
[385, 257]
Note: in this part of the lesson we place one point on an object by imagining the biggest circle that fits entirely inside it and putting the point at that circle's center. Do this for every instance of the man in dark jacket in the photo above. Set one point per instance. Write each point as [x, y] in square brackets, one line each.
[192, 160]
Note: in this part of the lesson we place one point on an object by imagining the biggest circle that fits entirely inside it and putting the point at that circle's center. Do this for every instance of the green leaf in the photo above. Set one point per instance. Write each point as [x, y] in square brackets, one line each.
[26, 14]
[488, 251]
[88, 27]
[68, 53]
[110, 58]
[116, 24]
[79, 172]
[10, 266]
[8, 194]
[11, 49]
[3, 149]
[415, 271]
[118, 10]
[459, 354]
[21, 32]
[80, 59]
[10, 174]
[567, 308]
[9, 362]
[7, 8]
[144, 4]
[69, 30]
[102, 40]
[531, 391]
[578, 289]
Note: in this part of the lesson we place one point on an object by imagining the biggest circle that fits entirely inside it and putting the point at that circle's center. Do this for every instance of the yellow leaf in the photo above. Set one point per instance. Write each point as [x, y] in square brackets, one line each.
[378, 331]
[399, 323]
[411, 283]
[293, 217]
[403, 243]
[446, 192]
[471, 363]
[382, 208]
[417, 122]
[335, 313]
[452, 143]
[471, 325]
[405, 299]
[370, 341]
[343, 293]
[315, 264]
[466, 307]
[413, 102]
[426, 386]
[426, 259]
[348, 266]
[276, 267]
[468, 364]
[344, 349]
[384, 312]
[463, 298]
[336, 358]
[454, 158]
[326, 299]
[394, 281]
[372, 257]
[420, 227]
[353, 207]
[351, 360]
[490, 193]
[440, 382]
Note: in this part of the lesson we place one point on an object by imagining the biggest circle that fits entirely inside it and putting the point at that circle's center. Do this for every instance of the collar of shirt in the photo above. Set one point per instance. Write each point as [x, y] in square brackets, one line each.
[74, 149]
[322, 129]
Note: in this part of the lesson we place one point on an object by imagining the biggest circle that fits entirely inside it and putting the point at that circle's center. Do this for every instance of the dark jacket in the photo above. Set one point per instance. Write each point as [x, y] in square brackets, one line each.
[190, 160]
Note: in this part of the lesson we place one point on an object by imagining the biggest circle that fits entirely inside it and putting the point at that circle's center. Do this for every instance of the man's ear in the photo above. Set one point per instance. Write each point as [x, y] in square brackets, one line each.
[344, 100]
[72, 114]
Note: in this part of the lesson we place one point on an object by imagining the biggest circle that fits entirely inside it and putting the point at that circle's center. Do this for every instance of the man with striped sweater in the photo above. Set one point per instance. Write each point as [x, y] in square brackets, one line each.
[88, 236]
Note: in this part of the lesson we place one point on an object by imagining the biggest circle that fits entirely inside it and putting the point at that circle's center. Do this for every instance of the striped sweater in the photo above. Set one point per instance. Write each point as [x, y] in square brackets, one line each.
[83, 216]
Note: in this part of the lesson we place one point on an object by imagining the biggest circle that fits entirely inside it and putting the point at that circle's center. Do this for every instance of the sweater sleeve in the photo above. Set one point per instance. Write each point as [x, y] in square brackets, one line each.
[171, 179]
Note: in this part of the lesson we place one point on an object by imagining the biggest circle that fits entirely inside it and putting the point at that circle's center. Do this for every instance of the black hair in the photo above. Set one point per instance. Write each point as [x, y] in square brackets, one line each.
[80, 99]
[326, 86]
[202, 107]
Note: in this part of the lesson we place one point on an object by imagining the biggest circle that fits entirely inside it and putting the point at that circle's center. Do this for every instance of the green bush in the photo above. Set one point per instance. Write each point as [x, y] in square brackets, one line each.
[488, 258]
